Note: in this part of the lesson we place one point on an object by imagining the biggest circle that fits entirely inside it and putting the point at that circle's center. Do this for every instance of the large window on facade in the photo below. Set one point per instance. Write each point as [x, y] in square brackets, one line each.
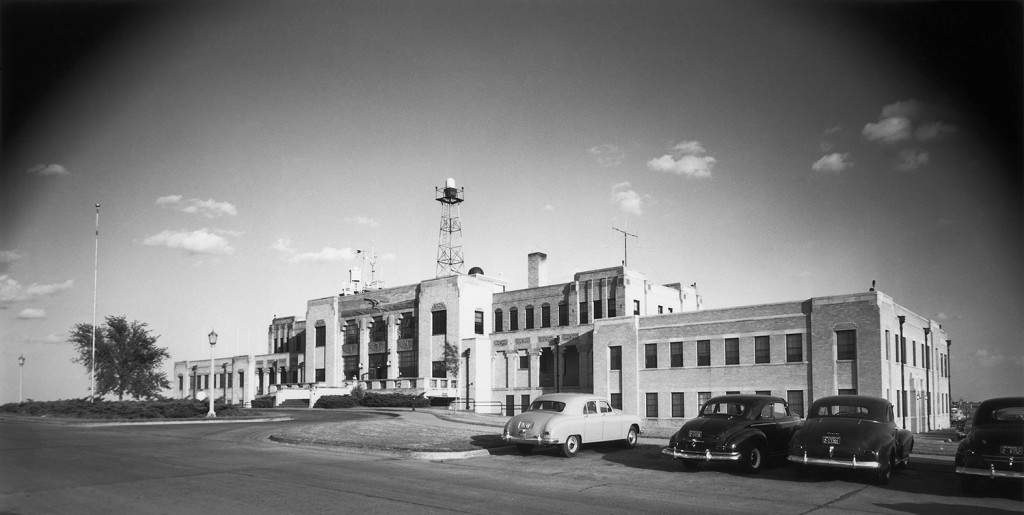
[545, 315]
[439, 322]
[616, 400]
[846, 345]
[407, 326]
[437, 370]
[677, 405]
[762, 349]
[378, 366]
[703, 353]
[529, 317]
[676, 354]
[795, 398]
[887, 341]
[651, 355]
[321, 335]
[615, 357]
[351, 332]
[611, 308]
[794, 348]
[584, 317]
[499, 321]
[732, 351]
[513, 319]
[703, 397]
[478, 322]
[321, 375]
[563, 314]
[378, 332]
[652, 405]
[350, 367]
[597, 309]
[408, 363]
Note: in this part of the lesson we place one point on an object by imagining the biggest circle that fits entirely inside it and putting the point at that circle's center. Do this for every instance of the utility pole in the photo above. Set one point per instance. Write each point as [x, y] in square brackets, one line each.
[625, 252]
[95, 274]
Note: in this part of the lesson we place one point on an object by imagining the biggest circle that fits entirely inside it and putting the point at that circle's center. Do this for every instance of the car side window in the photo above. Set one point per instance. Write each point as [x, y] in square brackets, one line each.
[766, 412]
[781, 410]
[605, 408]
[591, 407]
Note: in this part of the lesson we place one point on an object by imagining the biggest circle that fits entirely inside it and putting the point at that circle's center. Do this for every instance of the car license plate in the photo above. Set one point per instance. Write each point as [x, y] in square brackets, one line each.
[695, 434]
[1011, 450]
[830, 439]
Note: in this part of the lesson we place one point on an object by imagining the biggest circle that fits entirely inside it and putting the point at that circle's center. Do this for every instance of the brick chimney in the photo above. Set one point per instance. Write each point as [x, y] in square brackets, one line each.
[538, 269]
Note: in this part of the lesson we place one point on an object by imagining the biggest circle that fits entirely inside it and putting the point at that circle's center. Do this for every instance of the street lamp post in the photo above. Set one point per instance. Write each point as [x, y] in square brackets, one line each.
[213, 341]
[903, 371]
[21, 375]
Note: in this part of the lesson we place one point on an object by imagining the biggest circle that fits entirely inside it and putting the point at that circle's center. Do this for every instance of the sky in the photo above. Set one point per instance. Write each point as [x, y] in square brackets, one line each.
[243, 152]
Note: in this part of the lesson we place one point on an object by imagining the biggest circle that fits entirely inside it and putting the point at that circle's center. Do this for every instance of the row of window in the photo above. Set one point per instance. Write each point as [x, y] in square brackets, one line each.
[795, 399]
[927, 353]
[762, 352]
[218, 381]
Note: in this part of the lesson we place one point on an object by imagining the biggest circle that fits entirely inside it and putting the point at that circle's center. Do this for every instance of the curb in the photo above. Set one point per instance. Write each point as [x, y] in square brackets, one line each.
[392, 453]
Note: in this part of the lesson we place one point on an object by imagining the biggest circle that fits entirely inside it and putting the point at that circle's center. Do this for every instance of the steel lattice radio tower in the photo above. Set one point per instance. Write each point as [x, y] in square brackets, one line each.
[449, 241]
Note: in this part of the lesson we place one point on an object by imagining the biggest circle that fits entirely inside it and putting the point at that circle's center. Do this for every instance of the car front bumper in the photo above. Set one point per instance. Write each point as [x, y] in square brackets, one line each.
[832, 462]
[706, 455]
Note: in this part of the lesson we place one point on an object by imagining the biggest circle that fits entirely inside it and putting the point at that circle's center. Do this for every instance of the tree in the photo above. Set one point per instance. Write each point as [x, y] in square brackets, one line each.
[127, 358]
[451, 359]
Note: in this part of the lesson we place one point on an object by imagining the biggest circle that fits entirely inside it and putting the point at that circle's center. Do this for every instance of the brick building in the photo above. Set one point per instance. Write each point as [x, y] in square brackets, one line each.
[651, 349]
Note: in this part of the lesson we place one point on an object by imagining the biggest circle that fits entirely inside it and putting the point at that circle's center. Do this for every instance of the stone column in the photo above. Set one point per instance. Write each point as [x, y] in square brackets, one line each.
[534, 368]
[364, 350]
[391, 342]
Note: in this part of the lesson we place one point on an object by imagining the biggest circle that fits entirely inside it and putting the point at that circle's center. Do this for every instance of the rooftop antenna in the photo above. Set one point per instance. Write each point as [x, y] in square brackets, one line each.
[449, 244]
[625, 250]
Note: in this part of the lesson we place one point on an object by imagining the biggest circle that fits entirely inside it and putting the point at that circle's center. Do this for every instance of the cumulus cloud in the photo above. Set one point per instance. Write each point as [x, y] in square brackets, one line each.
[607, 155]
[209, 208]
[7, 258]
[51, 169]
[629, 201]
[911, 159]
[324, 255]
[201, 241]
[933, 130]
[13, 291]
[31, 314]
[833, 163]
[903, 109]
[888, 130]
[361, 220]
[686, 159]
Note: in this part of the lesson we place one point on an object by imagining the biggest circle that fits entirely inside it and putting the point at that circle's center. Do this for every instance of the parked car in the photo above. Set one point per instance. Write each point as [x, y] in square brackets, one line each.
[994, 447]
[568, 420]
[852, 432]
[746, 429]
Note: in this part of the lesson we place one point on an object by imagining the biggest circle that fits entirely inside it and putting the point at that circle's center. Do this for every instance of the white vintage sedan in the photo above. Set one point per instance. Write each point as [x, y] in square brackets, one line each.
[569, 420]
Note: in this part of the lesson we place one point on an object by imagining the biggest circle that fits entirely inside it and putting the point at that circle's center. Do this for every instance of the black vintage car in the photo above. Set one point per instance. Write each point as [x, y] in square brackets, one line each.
[746, 429]
[994, 448]
[853, 432]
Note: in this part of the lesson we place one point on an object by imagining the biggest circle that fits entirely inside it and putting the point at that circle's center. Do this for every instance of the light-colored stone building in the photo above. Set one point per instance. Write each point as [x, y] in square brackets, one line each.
[651, 349]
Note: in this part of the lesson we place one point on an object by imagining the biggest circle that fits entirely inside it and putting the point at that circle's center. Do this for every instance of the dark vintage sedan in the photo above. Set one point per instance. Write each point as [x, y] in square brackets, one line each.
[852, 432]
[994, 448]
[746, 429]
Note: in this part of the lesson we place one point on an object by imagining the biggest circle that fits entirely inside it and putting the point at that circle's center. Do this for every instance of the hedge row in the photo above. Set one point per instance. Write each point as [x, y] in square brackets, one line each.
[101, 409]
[372, 400]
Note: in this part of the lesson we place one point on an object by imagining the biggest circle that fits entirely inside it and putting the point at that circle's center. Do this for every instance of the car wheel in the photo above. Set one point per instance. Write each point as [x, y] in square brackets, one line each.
[631, 438]
[524, 448]
[571, 447]
[690, 464]
[753, 460]
[884, 474]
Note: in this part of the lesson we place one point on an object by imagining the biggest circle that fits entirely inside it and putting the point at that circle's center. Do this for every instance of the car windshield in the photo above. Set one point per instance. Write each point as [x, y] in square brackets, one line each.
[840, 410]
[728, 409]
[547, 406]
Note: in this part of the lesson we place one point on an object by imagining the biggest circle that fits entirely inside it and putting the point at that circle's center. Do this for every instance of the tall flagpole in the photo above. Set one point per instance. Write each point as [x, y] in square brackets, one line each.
[95, 267]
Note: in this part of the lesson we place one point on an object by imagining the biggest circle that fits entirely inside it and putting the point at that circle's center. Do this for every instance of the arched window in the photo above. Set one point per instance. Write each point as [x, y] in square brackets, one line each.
[513, 319]
[499, 321]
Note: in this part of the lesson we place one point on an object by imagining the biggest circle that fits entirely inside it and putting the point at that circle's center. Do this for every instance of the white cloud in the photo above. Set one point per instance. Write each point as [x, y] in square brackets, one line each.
[31, 314]
[911, 159]
[833, 130]
[607, 155]
[283, 245]
[51, 169]
[888, 130]
[549, 207]
[361, 220]
[326, 254]
[209, 208]
[201, 241]
[904, 109]
[628, 200]
[933, 130]
[7, 258]
[833, 163]
[686, 159]
[12, 291]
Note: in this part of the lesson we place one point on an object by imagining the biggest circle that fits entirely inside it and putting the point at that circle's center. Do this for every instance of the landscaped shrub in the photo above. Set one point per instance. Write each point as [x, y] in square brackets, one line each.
[336, 401]
[263, 402]
[101, 409]
[393, 400]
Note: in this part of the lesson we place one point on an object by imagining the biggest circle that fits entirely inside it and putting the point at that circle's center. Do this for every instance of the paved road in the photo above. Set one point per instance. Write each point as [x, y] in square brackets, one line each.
[234, 468]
